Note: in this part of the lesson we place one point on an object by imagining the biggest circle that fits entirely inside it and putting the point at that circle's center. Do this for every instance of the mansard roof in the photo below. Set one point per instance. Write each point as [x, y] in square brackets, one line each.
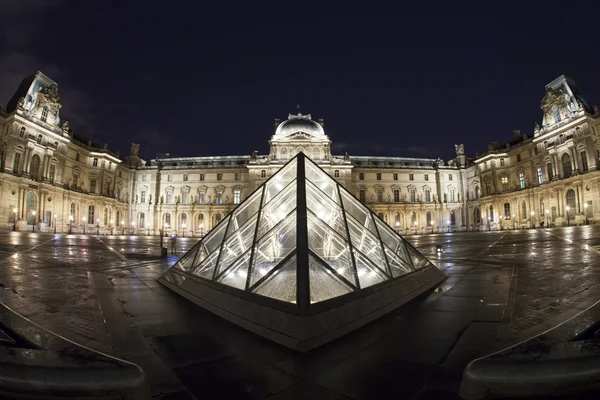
[28, 86]
[395, 162]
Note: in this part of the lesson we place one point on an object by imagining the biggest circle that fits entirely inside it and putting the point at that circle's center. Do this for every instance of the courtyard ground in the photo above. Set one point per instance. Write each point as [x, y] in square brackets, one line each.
[101, 292]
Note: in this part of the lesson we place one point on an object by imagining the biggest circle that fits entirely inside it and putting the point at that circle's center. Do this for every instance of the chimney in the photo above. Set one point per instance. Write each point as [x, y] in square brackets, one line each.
[321, 122]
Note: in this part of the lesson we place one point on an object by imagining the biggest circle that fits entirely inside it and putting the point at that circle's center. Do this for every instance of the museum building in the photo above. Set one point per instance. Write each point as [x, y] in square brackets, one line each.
[52, 179]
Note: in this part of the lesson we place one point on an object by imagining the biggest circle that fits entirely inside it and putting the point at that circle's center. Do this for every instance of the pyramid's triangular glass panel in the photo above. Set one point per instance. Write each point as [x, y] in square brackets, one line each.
[392, 241]
[367, 243]
[185, 263]
[321, 180]
[419, 261]
[283, 178]
[244, 212]
[238, 243]
[398, 266]
[237, 273]
[277, 209]
[331, 248]
[359, 211]
[368, 273]
[281, 283]
[325, 208]
[211, 246]
[273, 247]
[323, 283]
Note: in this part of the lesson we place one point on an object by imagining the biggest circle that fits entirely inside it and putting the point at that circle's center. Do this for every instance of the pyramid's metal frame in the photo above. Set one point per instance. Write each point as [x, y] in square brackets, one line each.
[301, 261]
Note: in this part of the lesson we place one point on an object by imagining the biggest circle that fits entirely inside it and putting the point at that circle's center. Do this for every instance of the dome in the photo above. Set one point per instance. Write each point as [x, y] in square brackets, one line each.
[299, 123]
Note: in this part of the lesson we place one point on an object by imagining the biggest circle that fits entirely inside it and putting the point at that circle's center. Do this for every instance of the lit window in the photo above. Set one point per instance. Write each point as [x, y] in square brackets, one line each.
[237, 194]
[379, 176]
[396, 195]
[428, 218]
[336, 173]
[185, 177]
[504, 181]
[219, 197]
[142, 220]
[90, 215]
[395, 177]
[361, 176]
[219, 176]
[540, 175]
[521, 180]
[411, 177]
[507, 210]
[44, 117]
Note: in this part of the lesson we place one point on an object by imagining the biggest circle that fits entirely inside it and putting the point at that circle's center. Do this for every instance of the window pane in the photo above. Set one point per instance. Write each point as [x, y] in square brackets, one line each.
[277, 209]
[358, 211]
[237, 243]
[323, 283]
[286, 175]
[321, 180]
[244, 212]
[281, 285]
[325, 209]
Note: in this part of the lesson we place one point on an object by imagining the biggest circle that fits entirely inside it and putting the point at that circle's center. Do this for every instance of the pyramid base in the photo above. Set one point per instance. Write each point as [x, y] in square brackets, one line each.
[280, 323]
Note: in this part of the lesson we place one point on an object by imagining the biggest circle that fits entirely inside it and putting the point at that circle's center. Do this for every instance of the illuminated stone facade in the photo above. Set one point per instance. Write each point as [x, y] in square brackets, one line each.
[45, 167]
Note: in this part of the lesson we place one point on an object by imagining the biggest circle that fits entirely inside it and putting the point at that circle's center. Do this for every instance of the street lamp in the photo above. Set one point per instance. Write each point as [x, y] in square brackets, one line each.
[449, 226]
[33, 221]
[397, 227]
[531, 219]
[183, 229]
[97, 226]
[55, 224]
[547, 224]
[70, 223]
[568, 216]
[585, 206]
[83, 223]
[15, 210]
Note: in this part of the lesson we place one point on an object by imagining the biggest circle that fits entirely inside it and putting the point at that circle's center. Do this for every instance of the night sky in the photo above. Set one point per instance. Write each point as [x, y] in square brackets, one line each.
[389, 78]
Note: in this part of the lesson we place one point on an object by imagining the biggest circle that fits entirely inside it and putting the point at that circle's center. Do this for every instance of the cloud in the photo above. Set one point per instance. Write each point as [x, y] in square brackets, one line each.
[20, 20]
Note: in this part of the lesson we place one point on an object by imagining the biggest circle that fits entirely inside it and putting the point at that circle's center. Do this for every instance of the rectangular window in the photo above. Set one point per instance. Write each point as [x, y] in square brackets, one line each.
[75, 179]
[502, 162]
[361, 176]
[427, 195]
[201, 177]
[201, 198]
[362, 196]
[504, 181]
[535, 150]
[169, 197]
[540, 175]
[185, 177]
[411, 177]
[92, 185]
[236, 176]
[518, 158]
[396, 195]
[427, 177]
[143, 196]
[395, 177]
[219, 177]
[452, 196]
[90, 215]
[549, 171]
[51, 173]
[379, 176]
[169, 178]
[237, 194]
[521, 180]
[76, 156]
[584, 163]
[449, 177]
[184, 197]
[413, 195]
[16, 163]
[380, 196]
[219, 197]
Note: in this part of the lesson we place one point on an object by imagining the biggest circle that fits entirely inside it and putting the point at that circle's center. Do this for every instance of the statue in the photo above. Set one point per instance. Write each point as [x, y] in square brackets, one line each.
[135, 149]
[459, 149]
[150, 201]
[253, 155]
[346, 156]
[162, 199]
[51, 93]
[65, 127]
[536, 127]
[21, 103]
[136, 199]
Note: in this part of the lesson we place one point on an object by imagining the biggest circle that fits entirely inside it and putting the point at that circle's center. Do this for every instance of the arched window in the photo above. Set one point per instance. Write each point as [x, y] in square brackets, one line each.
[30, 208]
[566, 162]
[39, 139]
[413, 218]
[428, 218]
[73, 212]
[91, 210]
[218, 219]
[336, 173]
[263, 173]
[184, 221]
[523, 210]
[452, 218]
[477, 215]
[491, 213]
[34, 168]
[22, 132]
[556, 113]
[506, 210]
[476, 192]
[106, 216]
[142, 220]
[95, 162]
[381, 215]
[571, 198]
[118, 220]
[44, 117]
[167, 220]
[201, 223]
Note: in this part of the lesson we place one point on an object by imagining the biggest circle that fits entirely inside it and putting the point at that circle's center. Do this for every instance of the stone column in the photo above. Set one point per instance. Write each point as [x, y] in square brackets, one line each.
[574, 159]
[19, 208]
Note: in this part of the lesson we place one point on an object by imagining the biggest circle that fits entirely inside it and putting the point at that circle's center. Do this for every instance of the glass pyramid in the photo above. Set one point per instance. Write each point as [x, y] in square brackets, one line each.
[301, 238]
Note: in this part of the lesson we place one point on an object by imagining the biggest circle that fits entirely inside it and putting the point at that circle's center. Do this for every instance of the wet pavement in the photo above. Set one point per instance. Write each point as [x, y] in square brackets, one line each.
[102, 292]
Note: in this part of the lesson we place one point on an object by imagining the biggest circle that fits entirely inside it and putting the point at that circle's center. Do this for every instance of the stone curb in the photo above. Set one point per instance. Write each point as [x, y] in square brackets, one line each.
[548, 363]
[48, 366]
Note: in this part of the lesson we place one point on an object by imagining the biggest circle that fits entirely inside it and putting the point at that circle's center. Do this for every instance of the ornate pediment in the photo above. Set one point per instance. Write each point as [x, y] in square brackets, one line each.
[300, 136]
[553, 97]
